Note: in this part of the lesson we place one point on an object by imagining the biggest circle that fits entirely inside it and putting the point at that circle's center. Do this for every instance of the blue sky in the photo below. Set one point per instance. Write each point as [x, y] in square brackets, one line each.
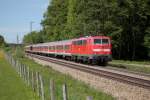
[16, 15]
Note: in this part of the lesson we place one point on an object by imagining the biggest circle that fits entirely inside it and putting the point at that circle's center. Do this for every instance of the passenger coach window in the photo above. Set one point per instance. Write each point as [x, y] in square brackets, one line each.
[66, 47]
[50, 48]
[59, 47]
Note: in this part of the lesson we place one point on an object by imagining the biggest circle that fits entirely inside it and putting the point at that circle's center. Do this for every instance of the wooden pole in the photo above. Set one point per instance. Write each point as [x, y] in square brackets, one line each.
[37, 83]
[16, 67]
[65, 95]
[42, 88]
[89, 98]
[32, 80]
[20, 70]
[23, 72]
[52, 90]
[28, 75]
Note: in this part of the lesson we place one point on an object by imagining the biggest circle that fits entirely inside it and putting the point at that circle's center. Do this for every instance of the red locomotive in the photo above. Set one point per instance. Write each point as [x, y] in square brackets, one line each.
[93, 49]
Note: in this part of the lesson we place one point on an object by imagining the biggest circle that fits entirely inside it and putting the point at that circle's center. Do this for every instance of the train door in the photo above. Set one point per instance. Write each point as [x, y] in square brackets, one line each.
[84, 47]
[89, 46]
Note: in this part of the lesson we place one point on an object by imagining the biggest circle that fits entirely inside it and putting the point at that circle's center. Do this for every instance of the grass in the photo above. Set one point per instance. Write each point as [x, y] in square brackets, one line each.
[77, 90]
[132, 65]
[12, 86]
[132, 62]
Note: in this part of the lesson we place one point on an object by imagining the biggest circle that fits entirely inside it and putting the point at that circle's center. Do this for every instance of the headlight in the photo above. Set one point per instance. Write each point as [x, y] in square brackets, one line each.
[99, 50]
[107, 50]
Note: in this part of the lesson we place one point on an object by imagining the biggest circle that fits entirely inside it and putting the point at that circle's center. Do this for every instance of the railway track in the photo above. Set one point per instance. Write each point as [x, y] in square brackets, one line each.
[129, 79]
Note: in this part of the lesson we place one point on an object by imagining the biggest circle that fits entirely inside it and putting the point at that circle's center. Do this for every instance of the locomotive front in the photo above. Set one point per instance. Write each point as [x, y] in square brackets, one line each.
[101, 49]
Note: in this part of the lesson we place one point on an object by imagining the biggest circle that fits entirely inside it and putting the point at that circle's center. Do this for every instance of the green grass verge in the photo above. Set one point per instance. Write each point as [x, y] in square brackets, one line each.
[12, 86]
[76, 90]
[132, 65]
[132, 62]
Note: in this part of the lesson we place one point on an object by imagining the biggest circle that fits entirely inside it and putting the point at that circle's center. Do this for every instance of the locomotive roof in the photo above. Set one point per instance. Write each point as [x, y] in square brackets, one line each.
[89, 37]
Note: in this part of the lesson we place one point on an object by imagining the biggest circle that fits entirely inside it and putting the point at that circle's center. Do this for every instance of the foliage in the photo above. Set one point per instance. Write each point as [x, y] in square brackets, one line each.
[7, 49]
[147, 38]
[126, 21]
[18, 52]
[2, 41]
[55, 20]
[33, 37]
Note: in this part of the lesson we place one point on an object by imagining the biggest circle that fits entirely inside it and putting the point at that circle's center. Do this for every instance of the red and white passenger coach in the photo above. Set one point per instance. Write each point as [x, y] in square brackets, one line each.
[93, 49]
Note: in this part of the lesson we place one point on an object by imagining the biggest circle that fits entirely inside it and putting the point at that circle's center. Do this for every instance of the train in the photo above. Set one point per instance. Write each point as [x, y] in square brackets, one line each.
[89, 49]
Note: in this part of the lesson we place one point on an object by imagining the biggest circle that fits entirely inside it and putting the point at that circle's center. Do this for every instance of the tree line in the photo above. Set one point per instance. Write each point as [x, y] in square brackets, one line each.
[127, 22]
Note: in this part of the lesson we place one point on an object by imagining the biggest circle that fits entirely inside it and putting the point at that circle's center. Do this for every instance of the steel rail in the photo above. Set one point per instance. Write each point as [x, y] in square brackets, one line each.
[107, 74]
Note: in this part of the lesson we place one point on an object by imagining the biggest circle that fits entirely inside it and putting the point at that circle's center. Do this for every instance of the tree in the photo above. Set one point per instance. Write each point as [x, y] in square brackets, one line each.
[127, 22]
[33, 37]
[2, 41]
[147, 41]
[133, 19]
[55, 19]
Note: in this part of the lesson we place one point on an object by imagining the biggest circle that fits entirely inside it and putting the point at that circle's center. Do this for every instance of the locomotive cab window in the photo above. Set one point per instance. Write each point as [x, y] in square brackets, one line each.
[105, 41]
[97, 41]
[101, 41]
[79, 42]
